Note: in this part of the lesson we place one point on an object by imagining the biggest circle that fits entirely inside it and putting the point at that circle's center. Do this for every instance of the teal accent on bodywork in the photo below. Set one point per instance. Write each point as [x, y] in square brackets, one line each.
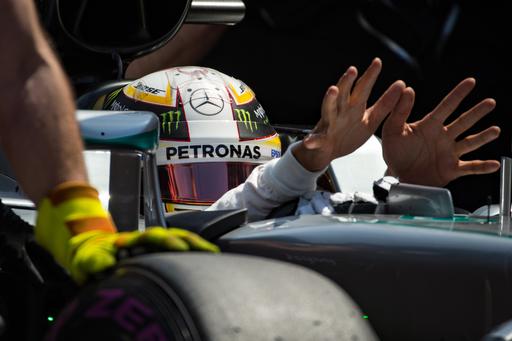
[461, 223]
[144, 141]
[458, 223]
[456, 219]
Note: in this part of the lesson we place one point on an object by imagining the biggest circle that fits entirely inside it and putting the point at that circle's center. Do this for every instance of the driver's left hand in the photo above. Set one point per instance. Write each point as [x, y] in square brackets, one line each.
[427, 151]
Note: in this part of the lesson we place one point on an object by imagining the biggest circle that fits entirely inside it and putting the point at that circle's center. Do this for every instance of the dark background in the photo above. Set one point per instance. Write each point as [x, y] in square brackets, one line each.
[289, 52]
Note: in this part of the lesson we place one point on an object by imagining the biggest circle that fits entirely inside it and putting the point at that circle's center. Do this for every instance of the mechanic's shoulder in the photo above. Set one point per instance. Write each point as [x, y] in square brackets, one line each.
[17, 20]
[9, 9]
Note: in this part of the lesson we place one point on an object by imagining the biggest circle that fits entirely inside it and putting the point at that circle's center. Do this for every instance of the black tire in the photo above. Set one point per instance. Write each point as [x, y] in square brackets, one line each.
[196, 296]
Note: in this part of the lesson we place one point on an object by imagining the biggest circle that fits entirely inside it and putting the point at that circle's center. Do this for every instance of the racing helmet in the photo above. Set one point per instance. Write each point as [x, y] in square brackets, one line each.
[213, 131]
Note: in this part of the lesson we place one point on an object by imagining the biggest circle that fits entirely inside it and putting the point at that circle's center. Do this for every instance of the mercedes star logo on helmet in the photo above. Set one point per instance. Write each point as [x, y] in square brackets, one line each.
[206, 102]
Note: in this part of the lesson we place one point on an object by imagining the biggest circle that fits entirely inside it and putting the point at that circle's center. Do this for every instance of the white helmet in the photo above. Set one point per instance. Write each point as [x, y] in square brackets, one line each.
[213, 131]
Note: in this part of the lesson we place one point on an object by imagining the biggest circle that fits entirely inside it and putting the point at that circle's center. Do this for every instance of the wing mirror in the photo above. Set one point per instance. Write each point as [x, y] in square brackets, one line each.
[136, 27]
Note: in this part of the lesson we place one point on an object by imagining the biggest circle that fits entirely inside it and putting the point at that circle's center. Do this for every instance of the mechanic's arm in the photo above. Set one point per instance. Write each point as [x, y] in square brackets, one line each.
[40, 136]
[187, 47]
[38, 131]
[427, 152]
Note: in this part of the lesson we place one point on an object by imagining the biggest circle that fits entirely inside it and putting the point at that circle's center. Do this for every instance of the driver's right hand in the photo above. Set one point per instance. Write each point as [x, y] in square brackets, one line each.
[74, 227]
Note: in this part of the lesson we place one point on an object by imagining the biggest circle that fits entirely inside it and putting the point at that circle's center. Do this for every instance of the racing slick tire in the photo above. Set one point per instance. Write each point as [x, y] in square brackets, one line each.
[196, 296]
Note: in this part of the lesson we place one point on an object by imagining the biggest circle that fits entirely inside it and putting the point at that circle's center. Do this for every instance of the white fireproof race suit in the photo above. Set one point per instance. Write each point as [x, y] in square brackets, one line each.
[284, 179]
[268, 186]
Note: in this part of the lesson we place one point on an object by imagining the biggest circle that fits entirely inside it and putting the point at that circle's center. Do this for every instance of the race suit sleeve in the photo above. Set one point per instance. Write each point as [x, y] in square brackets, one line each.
[269, 186]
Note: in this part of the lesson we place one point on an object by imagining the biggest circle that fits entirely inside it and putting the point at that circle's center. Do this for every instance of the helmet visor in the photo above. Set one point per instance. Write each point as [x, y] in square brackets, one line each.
[201, 183]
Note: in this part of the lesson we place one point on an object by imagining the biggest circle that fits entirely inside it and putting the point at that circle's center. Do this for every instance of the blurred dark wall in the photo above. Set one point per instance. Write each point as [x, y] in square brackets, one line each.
[289, 52]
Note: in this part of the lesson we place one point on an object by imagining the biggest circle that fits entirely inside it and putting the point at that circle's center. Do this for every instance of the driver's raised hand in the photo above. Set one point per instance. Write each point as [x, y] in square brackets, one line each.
[346, 122]
[73, 226]
[427, 152]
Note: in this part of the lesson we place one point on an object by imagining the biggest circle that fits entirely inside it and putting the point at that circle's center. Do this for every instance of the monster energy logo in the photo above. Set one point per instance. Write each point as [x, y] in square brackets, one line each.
[245, 116]
[168, 119]
[110, 98]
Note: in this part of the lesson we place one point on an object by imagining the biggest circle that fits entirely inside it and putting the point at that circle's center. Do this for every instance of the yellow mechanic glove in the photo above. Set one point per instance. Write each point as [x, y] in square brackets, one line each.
[74, 227]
